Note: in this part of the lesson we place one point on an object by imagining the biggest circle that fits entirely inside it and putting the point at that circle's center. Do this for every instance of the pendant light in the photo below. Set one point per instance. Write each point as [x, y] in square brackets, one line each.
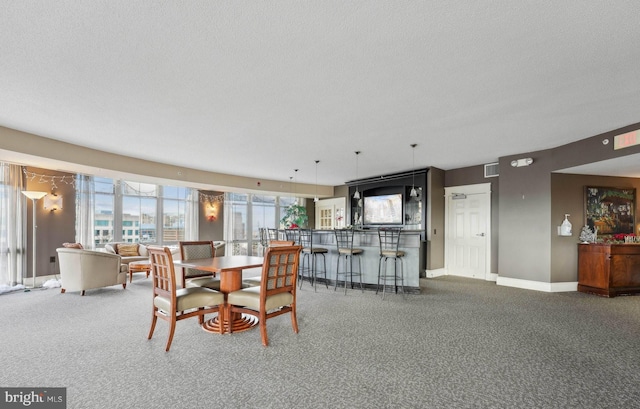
[315, 199]
[356, 195]
[295, 180]
[413, 192]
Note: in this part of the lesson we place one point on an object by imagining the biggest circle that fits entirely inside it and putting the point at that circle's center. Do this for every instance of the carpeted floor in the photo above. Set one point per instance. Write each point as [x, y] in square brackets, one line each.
[461, 343]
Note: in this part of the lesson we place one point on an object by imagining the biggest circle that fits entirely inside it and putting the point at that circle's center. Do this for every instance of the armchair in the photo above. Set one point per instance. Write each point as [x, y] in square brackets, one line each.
[82, 270]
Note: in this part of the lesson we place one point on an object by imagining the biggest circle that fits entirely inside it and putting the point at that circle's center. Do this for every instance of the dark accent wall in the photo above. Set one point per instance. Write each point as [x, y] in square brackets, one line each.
[473, 175]
[211, 229]
[52, 227]
[568, 193]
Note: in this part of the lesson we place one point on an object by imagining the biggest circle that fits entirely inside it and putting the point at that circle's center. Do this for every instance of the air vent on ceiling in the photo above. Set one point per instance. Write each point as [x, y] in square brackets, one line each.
[491, 170]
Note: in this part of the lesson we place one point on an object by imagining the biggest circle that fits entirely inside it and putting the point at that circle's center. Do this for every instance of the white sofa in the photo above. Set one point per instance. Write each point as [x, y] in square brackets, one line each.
[112, 248]
[82, 270]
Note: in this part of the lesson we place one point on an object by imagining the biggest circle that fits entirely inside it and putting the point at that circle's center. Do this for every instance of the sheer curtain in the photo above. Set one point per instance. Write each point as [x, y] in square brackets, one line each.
[191, 224]
[13, 226]
[85, 211]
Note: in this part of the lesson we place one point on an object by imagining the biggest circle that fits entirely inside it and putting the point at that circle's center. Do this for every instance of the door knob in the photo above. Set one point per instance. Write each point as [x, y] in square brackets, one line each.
[480, 234]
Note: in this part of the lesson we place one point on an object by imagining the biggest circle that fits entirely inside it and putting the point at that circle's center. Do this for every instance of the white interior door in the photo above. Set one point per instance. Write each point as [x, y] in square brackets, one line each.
[468, 231]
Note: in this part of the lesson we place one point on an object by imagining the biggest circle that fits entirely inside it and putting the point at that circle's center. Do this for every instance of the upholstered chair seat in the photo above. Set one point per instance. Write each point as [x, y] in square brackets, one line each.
[250, 298]
[189, 298]
[212, 283]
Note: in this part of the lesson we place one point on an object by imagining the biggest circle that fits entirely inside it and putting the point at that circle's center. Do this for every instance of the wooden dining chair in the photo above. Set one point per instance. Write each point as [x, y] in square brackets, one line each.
[252, 277]
[276, 294]
[172, 304]
[191, 277]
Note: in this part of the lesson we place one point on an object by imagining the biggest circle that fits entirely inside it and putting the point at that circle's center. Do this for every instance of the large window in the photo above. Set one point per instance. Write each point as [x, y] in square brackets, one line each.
[175, 208]
[139, 212]
[246, 214]
[104, 219]
[128, 211]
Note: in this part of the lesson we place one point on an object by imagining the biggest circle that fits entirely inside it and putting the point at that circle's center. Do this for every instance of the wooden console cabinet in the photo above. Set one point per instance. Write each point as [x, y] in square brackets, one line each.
[609, 269]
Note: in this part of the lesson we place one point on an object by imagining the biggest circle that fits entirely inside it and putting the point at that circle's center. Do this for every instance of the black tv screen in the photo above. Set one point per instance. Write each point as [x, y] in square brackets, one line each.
[383, 209]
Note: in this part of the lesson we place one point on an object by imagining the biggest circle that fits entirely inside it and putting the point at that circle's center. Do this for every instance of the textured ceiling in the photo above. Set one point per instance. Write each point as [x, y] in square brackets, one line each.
[262, 88]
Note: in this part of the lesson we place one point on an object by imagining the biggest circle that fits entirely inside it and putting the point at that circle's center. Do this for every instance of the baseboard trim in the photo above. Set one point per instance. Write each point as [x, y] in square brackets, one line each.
[537, 285]
[439, 272]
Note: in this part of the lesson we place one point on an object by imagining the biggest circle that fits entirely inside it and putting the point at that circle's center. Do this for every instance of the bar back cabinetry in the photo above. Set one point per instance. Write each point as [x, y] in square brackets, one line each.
[609, 269]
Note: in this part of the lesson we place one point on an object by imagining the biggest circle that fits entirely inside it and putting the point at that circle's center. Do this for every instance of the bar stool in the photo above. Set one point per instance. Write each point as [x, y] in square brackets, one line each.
[293, 235]
[309, 251]
[264, 239]
[273, 234]
[389, 238]
[344, 243]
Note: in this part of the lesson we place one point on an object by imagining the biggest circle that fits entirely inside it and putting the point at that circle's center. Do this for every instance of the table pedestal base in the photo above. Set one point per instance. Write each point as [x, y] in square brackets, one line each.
[241, 322]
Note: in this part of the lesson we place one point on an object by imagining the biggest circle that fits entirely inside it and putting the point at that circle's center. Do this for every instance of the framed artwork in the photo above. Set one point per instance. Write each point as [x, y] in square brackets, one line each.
[611, 210]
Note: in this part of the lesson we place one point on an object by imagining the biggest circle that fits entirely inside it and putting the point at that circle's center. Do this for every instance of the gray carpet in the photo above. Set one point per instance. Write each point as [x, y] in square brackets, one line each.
[461, 343]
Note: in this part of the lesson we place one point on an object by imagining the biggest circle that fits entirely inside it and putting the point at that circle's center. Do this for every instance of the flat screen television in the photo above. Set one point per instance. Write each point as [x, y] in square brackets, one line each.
[383, 209]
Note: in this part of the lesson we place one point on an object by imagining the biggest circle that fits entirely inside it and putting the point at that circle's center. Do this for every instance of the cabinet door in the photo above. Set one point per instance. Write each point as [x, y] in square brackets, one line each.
[330, 214]
[325, 218]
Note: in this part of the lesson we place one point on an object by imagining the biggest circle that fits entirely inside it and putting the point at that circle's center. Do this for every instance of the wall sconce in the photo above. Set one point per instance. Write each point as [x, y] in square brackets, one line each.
[521, 162]
[211, 212]
[52, 202]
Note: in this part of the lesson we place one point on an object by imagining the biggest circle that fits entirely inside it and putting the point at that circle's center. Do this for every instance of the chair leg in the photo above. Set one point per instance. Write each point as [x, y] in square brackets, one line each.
[378, 284]
[294, 319]
[384, 278]
[324, 261]
[154, 319]
[124, 286]
[360, 272]
[82, 293]
[402, 277]
[337, 272]
[172, 328]
[263, 328]
[347, 272]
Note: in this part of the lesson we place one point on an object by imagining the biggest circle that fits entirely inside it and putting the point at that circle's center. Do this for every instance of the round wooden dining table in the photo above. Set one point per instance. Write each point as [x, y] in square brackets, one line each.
[230, 270]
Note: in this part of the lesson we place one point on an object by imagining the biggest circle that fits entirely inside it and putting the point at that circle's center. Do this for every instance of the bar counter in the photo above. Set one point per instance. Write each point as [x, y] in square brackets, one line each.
[368, 241]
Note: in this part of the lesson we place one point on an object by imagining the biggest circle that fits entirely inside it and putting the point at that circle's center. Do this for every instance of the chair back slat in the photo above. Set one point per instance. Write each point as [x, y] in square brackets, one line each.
[280, 270]
[293, 235]
[306, 238]
[389, 238]
[344, 238]
[162, 271]
[273, 234]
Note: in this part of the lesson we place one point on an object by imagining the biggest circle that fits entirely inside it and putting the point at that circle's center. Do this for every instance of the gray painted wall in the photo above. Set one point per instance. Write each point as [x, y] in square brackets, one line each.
[526, 221]
[568, 192]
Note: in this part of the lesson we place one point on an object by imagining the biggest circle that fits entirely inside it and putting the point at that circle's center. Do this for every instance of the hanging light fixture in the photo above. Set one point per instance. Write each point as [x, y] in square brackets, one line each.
[413, 192]
[315, 199]
[295, 180]
[356, 195]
